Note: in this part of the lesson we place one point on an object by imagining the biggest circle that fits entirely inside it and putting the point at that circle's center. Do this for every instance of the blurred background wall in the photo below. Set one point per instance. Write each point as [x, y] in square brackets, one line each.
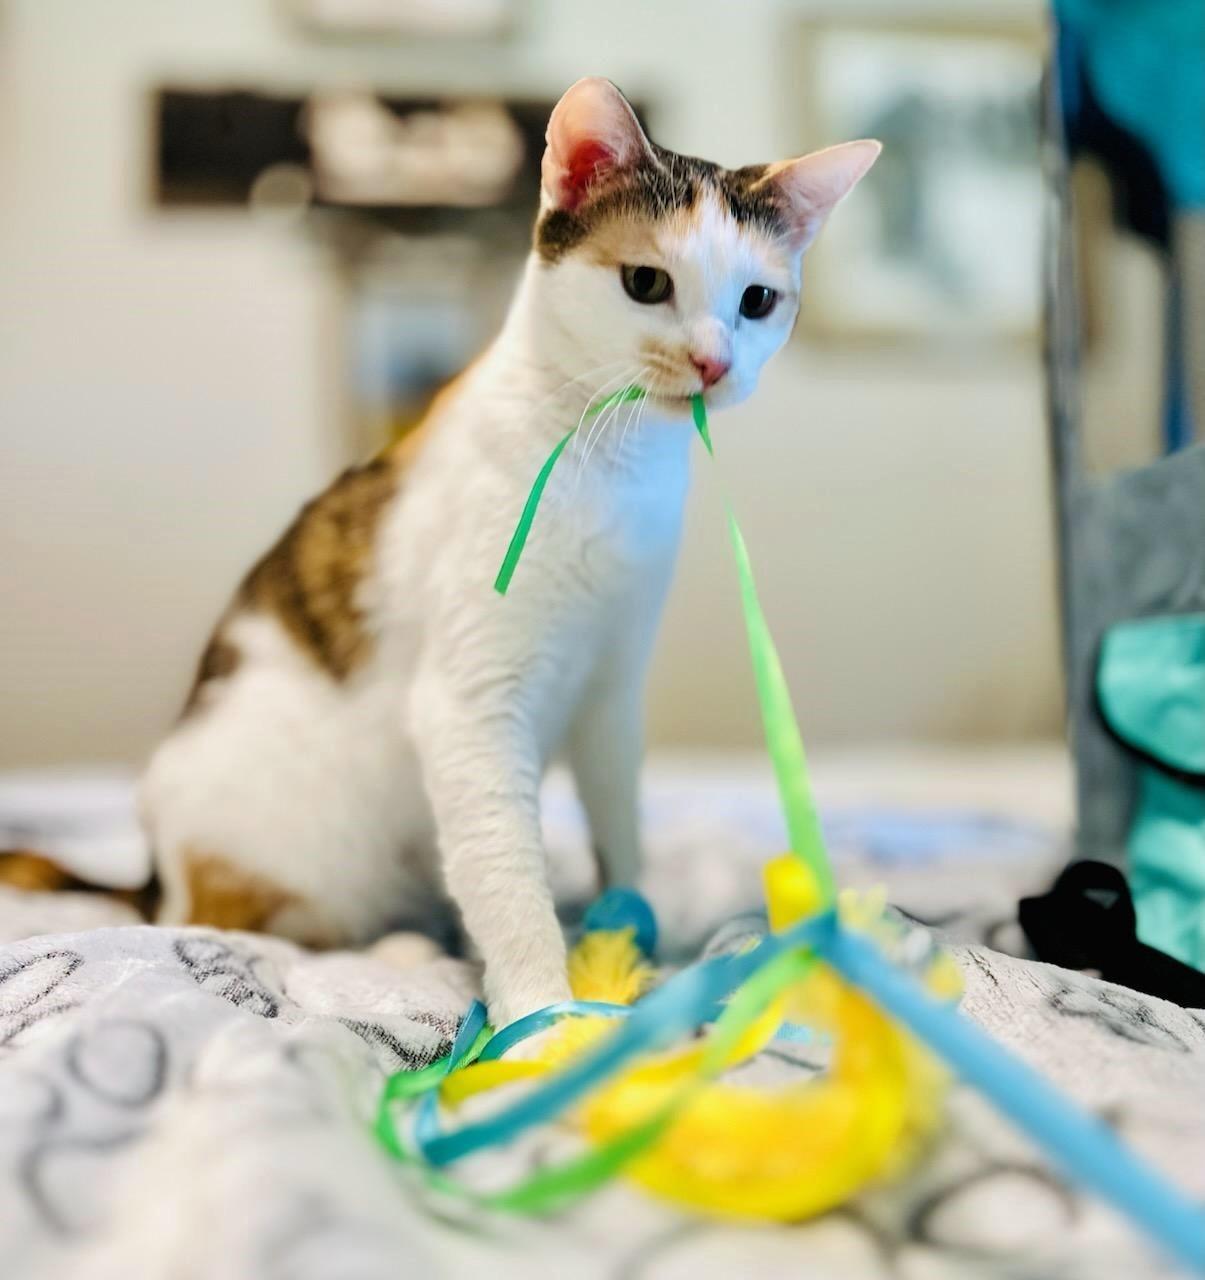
[173, 382]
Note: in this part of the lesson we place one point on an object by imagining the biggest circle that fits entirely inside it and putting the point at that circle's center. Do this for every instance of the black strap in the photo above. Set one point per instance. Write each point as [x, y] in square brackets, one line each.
[1087, 921]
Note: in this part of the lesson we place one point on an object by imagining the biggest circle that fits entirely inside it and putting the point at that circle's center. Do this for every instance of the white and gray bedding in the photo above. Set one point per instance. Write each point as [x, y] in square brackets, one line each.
[185, 1103]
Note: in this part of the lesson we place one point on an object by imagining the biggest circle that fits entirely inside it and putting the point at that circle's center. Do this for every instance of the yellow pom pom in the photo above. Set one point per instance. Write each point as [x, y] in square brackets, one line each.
[792, 893]
[607, 965]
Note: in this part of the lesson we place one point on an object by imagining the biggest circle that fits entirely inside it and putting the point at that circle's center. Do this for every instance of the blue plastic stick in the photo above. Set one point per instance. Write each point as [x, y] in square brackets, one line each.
[1084, 1147]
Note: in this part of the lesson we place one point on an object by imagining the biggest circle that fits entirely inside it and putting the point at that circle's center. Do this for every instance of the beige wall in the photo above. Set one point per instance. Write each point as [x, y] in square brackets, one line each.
[169, 390]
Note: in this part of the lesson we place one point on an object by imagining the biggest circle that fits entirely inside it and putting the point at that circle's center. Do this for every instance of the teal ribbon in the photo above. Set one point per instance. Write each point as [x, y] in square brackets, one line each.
[561, 1184]
[471, 1038]
[523, 1028]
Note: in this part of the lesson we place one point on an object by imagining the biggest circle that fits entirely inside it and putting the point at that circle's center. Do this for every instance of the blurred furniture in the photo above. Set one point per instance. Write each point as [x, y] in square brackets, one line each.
[422, 206]
[1126, 86]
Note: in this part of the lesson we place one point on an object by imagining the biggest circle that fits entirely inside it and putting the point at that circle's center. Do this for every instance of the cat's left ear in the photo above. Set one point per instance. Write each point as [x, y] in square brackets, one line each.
[812, 186]
[593, 134]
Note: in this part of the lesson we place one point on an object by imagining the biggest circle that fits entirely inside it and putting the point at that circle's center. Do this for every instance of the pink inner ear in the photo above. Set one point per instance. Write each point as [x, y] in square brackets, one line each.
[587, 160]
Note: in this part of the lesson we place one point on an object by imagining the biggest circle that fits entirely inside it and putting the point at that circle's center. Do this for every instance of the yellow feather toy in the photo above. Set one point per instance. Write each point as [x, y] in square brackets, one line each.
[732, 1149]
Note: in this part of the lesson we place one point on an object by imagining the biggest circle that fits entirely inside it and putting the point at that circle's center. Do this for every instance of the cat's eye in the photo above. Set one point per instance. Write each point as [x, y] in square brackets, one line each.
[647, 284]
[758, 301]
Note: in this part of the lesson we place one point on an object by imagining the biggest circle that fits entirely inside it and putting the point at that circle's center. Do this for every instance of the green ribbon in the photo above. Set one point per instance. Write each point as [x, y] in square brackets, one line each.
[405, 1086]
[783, 741]
[519, 538]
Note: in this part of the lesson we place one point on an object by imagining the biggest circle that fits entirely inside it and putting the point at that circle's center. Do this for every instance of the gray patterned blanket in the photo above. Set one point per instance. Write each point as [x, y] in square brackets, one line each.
[189, 1104]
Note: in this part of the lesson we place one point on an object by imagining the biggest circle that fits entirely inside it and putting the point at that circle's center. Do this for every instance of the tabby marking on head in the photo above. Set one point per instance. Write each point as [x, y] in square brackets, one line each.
[670, 185]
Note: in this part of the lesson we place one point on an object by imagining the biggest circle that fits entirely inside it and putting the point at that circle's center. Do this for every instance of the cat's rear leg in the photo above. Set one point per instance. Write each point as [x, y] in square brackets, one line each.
[205, 888]
[284, 827]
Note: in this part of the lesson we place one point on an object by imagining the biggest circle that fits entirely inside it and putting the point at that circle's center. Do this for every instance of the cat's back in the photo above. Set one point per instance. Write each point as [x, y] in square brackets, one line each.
[311, 602]
[310, 580]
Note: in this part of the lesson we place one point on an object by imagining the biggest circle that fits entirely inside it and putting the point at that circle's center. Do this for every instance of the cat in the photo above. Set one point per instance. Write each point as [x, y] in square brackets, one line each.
[371, 721]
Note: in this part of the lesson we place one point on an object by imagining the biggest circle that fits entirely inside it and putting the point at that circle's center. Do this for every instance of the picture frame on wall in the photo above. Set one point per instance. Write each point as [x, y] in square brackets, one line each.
[942, 240]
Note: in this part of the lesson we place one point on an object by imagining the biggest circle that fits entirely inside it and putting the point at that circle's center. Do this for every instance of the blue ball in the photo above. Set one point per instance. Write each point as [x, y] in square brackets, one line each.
[623, 909]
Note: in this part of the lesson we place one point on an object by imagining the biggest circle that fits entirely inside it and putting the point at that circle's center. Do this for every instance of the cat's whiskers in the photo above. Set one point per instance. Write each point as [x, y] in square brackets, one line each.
[600, 393]
[613, 384]
[595, 434]
[638, 411]
[581, 377]
[605, 421]
[612, 387]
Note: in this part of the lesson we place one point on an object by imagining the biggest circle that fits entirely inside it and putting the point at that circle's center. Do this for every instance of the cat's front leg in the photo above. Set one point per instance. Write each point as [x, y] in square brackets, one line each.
[606, 735]
[606, 744]
[481, 769]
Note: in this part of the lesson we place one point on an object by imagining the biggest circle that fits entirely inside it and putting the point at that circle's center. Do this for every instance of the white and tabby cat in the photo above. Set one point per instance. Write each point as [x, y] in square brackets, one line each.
[371, 721]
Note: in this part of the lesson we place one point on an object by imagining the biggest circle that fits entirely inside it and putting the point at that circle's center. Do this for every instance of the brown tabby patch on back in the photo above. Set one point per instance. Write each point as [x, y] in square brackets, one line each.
[310, 578]
[220, 660]
[666, 185]
[225, 896]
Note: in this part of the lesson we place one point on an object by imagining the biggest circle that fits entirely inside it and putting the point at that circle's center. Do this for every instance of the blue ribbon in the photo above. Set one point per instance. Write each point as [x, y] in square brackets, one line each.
[523, 1028]
[470, 1029]
[534, 1023]
[1085, 1148]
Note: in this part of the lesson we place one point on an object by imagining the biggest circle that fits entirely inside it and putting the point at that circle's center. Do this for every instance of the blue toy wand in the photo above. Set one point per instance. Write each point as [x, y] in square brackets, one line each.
[1079, 1143]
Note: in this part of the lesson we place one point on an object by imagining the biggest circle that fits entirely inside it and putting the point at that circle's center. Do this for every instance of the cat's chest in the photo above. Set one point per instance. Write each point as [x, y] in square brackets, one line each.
[621, 524]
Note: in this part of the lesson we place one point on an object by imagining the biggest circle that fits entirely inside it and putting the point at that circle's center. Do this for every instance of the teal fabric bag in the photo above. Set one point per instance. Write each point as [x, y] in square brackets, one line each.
[1151, 687]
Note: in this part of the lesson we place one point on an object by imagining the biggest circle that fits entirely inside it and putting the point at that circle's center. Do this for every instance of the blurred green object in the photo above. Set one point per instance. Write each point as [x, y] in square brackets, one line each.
[1151, 685]
[1147, 63]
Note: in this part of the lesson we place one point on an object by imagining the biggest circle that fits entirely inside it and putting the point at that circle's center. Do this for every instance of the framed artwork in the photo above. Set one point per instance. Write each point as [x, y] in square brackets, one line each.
[943, 237]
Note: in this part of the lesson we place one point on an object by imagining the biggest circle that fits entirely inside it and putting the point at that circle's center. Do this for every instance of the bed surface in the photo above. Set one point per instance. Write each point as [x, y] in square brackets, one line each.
[184, 1103]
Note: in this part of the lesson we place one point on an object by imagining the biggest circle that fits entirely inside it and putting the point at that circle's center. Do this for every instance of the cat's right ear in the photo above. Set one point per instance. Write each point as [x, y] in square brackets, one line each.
[812, 186]
[592, 135]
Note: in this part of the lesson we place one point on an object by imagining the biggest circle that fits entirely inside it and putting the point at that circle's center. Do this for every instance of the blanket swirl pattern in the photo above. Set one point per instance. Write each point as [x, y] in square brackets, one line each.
[189, 1104]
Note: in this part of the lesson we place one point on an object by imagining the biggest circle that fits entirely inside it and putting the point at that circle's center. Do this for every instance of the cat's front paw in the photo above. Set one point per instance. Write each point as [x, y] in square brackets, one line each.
[512, 1003]
[533, 1048]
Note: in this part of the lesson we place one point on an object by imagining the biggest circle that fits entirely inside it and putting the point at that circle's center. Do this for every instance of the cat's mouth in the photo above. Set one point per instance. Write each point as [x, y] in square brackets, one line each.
[678, 400]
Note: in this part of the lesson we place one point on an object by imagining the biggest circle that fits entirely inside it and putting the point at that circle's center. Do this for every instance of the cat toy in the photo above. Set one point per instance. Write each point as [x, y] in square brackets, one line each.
[646, 1070]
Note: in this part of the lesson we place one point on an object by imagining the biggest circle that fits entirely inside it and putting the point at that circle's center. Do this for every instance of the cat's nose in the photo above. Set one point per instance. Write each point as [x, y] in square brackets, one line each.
[710, 369]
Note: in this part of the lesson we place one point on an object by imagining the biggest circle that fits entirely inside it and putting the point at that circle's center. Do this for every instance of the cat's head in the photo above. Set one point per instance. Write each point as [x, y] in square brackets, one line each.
[670, 271]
